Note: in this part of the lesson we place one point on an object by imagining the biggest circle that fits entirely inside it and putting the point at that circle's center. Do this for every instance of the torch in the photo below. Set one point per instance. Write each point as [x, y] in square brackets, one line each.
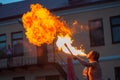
[68, 49]
[70, 68]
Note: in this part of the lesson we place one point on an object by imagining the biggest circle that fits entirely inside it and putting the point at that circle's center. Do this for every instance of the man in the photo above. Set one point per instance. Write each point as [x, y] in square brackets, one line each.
[93, 67]
[9, 53]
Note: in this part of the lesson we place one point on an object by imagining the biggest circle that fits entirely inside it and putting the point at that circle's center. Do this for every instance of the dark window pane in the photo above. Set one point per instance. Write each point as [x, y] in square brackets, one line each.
[117, 73]
[17, 35]
[19, 78]
[3, 46]
[42, 54]
[18, 48]
[54, 77]
[116, 34]
[17, 43]
[116, 21]
[3, 50]
[115, 28]
[2, 37]
[96, 32]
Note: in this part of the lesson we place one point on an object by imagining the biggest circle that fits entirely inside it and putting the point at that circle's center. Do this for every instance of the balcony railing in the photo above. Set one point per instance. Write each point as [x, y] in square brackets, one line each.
[17, 61]
[21, 61]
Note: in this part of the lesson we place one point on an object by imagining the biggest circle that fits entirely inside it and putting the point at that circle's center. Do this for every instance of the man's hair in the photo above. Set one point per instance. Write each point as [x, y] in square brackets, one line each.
[96, 55]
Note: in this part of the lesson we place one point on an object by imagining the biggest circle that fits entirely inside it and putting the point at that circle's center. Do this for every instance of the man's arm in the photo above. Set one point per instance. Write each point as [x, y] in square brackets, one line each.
[83, 62]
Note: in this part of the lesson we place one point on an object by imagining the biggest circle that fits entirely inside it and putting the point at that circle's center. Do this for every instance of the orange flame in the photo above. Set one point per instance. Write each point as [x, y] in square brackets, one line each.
[41, 26]
[62, 40]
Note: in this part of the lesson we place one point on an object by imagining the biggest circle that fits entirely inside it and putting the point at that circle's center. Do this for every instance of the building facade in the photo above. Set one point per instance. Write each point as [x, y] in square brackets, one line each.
[97, 28]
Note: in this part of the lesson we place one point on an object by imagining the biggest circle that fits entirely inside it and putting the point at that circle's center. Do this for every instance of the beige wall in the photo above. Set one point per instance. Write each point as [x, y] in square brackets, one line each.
[80, 37]
[14, 26]
[108, 51]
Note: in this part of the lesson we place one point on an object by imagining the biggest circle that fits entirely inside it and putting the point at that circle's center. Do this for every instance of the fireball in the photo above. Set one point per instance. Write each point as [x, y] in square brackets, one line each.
[41, 26]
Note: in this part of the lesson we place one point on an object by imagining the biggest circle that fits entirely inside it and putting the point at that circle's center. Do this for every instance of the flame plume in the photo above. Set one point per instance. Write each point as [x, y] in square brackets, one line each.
[41, 26]
[61, 43]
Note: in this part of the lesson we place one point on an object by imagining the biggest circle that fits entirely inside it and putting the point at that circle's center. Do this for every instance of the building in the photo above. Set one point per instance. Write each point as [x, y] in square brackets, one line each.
[97, 29]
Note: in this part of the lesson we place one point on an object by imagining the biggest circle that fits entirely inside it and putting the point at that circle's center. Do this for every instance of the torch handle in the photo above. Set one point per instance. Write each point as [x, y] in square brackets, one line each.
[68, 49]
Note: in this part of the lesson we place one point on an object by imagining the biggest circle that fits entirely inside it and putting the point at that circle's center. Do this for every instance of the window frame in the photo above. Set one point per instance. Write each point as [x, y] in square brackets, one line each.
[101, 28]
[114, 26]
[16, 39]
[4, 41]
[117, 71]
[19, 78]
[51, 77]
[48, 77]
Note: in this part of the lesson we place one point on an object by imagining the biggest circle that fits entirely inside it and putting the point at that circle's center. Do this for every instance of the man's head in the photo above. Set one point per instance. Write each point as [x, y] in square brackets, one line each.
[94, 55]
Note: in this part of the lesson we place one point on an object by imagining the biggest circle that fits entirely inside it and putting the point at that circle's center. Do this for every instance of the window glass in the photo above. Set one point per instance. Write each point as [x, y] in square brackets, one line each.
[19, 78]
[117, 73]
[115, 20]
[96, 32]
[3, 46]
[17, 35]
[116, 34]
[17, 43]
[2, 37]
[54, 77]
[51, 77]
[115, 28]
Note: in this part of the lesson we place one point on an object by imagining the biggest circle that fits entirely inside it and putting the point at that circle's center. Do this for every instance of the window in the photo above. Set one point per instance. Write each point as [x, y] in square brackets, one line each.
[40, 78]
[115, 28]
[42, 54]
[51, 77]
[117, 73]
[3, 46]
[84, 1]
[17, 43]
[54, 77]
[96, 32]
[19, 78]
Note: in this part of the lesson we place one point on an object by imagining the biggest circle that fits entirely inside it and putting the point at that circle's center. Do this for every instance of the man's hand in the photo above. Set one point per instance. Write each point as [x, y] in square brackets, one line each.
[75, 57]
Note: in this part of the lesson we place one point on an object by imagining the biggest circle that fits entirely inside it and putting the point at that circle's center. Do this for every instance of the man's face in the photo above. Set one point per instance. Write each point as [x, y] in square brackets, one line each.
[90, 55]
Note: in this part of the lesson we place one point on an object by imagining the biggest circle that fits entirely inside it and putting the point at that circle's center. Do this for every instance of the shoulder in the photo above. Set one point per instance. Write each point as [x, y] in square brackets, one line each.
[94, 63]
